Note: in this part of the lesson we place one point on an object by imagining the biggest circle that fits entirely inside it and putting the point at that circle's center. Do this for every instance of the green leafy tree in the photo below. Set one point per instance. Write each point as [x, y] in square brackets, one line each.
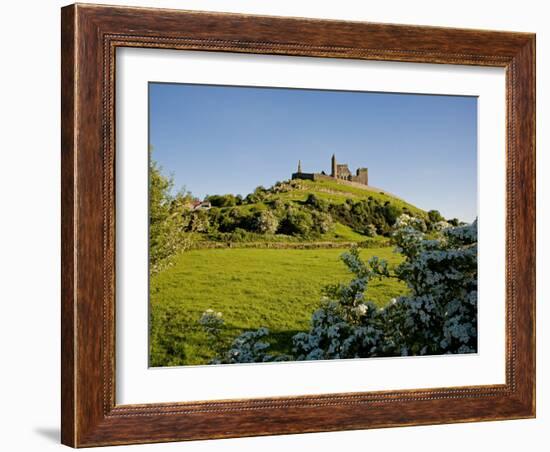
[296, 222]
[224, 200]
[167, 222]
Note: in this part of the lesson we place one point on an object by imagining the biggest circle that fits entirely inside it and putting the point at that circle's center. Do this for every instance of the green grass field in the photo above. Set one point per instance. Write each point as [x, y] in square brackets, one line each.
[252, 288]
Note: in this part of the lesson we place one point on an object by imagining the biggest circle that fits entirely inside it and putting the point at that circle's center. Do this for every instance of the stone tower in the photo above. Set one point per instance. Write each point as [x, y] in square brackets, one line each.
[338, 171]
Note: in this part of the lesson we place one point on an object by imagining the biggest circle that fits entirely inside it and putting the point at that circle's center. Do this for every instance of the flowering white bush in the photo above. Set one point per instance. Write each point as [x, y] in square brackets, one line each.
[250, 347]
[405, 220]
[266, 222]
[370, 230]
[438, 316]
[211, 321]
[441, 225]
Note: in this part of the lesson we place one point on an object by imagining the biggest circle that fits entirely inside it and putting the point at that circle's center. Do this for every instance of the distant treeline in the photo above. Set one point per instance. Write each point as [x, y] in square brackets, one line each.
[308, 219]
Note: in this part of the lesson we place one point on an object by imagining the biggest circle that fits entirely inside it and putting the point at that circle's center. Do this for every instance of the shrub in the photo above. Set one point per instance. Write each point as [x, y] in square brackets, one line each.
[331, 336]
[260, 193]
[370, 230]
[391, 213]
[212, 322]
[278, 205]
[296, 222]
[357, 214]
[441, 312]
[223, 200]
[249, 347]
[265, 222]
[199, 221]
[228, 220]
[316, 203]
[322, 223]
[407, 220]
[434, 216]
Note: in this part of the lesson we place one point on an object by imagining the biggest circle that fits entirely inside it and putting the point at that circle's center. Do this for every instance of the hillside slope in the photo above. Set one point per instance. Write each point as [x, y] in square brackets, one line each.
[337, 192]
[299, 211]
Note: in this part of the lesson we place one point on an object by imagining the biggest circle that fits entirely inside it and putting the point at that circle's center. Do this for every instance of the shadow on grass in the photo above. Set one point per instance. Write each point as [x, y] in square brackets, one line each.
[281, 341]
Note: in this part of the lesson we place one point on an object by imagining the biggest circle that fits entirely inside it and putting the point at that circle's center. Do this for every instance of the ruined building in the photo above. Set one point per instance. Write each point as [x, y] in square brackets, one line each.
[338, 171]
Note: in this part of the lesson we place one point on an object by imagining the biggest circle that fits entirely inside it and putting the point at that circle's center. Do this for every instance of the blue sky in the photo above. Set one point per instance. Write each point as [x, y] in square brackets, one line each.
[217, 139]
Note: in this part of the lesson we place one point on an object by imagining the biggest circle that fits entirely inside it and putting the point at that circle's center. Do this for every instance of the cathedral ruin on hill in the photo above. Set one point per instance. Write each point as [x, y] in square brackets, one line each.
[339, 171]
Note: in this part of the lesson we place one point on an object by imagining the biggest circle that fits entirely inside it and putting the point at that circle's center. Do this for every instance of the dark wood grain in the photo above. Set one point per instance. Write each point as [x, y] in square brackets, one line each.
[68, 244]
[90, 36]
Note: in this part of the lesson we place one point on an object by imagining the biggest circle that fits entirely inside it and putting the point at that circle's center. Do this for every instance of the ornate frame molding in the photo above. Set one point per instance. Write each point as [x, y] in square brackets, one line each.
[90, 36]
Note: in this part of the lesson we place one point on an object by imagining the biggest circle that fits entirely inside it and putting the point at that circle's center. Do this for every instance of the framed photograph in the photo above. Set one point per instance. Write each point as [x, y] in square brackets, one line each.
[280, 225]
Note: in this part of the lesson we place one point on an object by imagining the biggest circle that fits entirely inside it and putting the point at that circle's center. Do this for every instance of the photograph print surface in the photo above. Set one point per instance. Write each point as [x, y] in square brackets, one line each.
[293, 224]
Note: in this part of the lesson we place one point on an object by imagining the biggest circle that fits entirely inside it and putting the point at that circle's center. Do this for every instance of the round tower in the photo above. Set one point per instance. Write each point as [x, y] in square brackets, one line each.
[333, 171]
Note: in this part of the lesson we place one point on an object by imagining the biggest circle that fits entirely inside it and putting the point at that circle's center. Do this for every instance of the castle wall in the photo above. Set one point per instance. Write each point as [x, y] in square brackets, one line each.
[356, 181]
[353, 183]
[341, 170]
[362, 176]
[318, 176]
[304, 176]
[311, 176]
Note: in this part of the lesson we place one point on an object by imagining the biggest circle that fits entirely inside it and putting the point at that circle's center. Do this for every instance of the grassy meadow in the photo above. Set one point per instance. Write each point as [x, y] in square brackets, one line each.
[252, 288]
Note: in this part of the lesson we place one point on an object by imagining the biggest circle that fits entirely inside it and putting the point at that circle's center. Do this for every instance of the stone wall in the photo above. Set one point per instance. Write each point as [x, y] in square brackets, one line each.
[305, 176]
[362, 176]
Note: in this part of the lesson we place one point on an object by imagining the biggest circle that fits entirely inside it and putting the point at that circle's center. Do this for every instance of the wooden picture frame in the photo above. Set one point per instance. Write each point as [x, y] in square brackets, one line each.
[90, 36]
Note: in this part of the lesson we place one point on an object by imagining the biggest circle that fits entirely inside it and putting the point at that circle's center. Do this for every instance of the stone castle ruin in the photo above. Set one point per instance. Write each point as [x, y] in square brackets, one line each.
[339, 171]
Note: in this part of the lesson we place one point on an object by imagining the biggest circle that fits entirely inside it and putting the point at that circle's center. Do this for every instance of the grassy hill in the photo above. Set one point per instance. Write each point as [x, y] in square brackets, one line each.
[297, 191]
[306, 211]
[337, 193]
